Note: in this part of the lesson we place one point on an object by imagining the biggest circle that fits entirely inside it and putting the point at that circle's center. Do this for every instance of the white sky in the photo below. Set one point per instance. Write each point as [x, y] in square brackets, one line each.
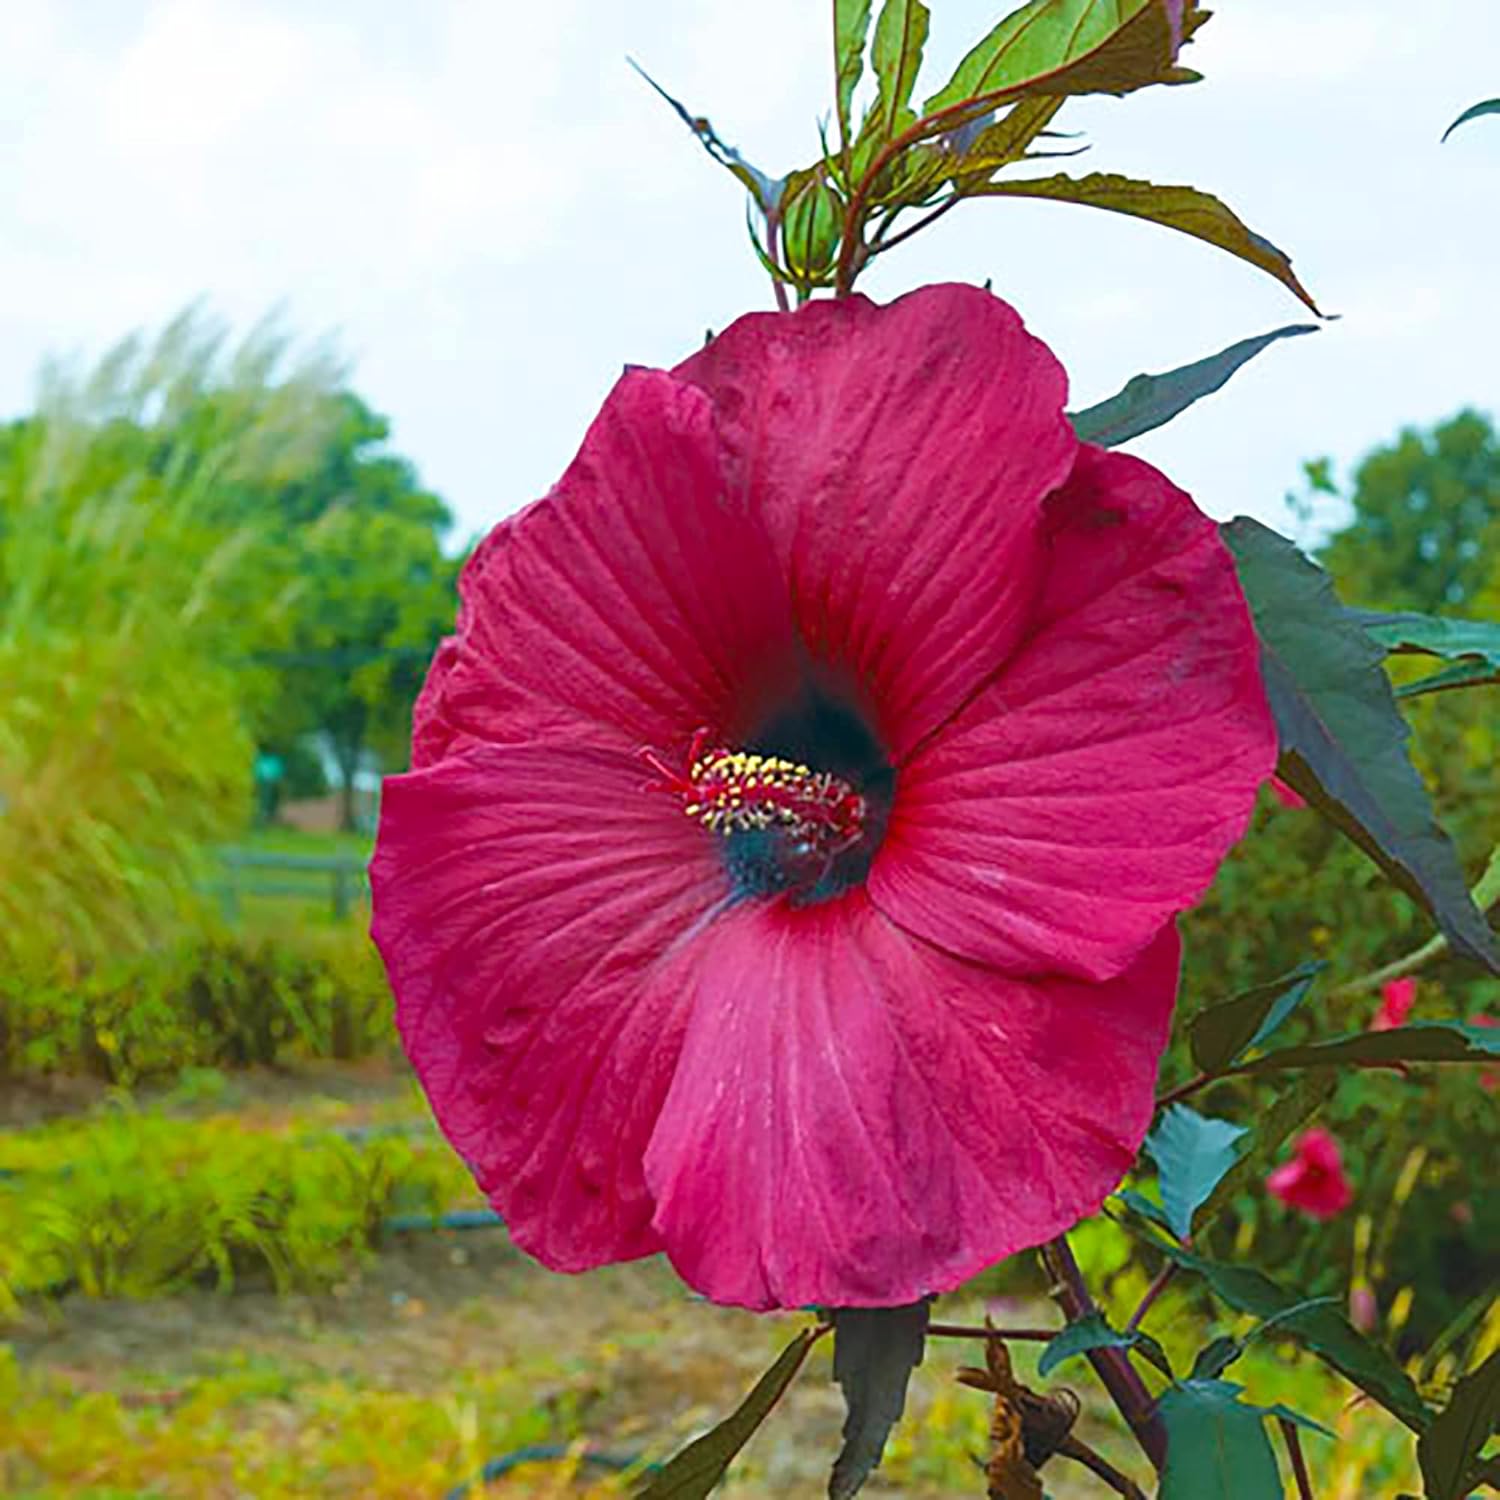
[494, 214]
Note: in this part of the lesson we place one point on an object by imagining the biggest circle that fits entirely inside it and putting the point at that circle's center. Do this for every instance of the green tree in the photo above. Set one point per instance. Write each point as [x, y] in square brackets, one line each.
[1425, 533]
[362, 593]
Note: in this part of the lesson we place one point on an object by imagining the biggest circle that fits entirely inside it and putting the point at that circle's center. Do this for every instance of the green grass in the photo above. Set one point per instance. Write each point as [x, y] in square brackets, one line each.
[397, 1373]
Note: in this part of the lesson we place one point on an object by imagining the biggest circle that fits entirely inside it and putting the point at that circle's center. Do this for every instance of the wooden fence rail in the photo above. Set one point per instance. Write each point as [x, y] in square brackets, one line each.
[253, 872]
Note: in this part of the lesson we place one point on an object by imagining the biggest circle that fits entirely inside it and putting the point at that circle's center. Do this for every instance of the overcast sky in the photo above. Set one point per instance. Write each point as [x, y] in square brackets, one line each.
[494, 214]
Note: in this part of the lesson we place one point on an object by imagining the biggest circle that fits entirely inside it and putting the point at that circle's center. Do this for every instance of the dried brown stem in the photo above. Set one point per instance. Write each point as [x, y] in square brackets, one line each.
[1293, 1441]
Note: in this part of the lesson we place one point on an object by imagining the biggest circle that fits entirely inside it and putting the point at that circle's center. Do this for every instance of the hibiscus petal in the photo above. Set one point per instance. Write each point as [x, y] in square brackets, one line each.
[859, 1119]
[523, 901]
[899, 456]
[630, 606]
[1092, 790]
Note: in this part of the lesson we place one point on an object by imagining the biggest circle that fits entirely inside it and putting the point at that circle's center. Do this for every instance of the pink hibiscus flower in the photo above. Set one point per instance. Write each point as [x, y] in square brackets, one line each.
[1396, 1000]
[1314, 1180]
[862, 986]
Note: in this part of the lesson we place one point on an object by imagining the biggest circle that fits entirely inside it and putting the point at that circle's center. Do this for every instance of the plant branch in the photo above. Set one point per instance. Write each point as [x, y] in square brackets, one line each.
[962, 1331]
[882, 245]
[1157, 1287]
[1096, 1463]
[1293, 1441]
[1485, 895]
[1118, 1376]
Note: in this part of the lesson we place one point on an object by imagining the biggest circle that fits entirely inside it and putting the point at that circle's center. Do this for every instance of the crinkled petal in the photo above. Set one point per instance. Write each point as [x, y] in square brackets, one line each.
[1092, 790]
[899, 456]
[523, 901]
[859, 1119]
[634, 603]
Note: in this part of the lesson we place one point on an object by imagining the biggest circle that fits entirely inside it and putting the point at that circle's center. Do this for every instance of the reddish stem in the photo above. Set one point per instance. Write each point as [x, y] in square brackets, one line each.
[1293, 1441]
[1118, 1376]
[1153, 1291]
[961, 1331]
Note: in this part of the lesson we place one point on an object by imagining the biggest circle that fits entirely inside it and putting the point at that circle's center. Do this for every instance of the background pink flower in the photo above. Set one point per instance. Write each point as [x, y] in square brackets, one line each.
[863, 987]
[1396, 1000]
[1313, 1181]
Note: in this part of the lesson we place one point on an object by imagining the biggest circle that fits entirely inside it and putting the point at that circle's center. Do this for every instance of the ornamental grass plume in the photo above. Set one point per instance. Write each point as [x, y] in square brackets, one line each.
[787, 876]
[1313, 1181]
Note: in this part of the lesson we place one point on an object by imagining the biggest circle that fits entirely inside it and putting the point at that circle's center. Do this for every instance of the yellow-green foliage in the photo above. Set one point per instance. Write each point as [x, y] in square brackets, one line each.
[136, 1204]
[215, 999]
[122, 744]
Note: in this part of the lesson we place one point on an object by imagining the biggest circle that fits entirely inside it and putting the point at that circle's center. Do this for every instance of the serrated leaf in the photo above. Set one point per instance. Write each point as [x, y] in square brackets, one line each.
[851, 27]
[1294, 1106]
[694, 1472]
[875, 1349]
[1448, 1449]
[1417, 1042]
[1322, 1329]
[1192, 1152]
[979, 153]
[1075, 47]
[1473, 112]
[1343, 741]
[1185, 209]
[1151, 401]
[1093, 1332]
[1221, 1033]
[1217, 1448]
[1473, 645]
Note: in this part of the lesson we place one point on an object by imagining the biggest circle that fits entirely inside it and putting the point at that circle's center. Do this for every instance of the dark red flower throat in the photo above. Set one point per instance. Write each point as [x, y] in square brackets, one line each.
[800, 810]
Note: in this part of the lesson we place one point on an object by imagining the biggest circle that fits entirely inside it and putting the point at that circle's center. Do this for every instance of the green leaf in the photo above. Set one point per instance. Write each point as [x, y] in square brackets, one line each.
[1217, 1448]
[1418, 1042]
[851, 26]
[1148, 1208]
[1093, 1332]
[875, 1349]
[1191, 1152]
[1474, 645]
[1473, 112]
[1184, 209]
[1220, 1034]
[1215, 1357]
[1448, 1449]
[1294, 1106]
[1322, 1329]
[900, 35]
[695, 1471]
[1075, 47]
[1286, 1414]
[1343, 741]
[1150, 401]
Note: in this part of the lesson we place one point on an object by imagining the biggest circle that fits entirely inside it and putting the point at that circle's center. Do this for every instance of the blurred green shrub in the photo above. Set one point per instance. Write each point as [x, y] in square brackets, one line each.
[215, 999]
[130, 1203]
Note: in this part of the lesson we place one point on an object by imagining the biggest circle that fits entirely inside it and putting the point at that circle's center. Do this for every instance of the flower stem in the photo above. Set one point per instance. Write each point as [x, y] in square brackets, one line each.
[773, 250]
[1153, 1291]
[1118, 1376]
[1293, 1441]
